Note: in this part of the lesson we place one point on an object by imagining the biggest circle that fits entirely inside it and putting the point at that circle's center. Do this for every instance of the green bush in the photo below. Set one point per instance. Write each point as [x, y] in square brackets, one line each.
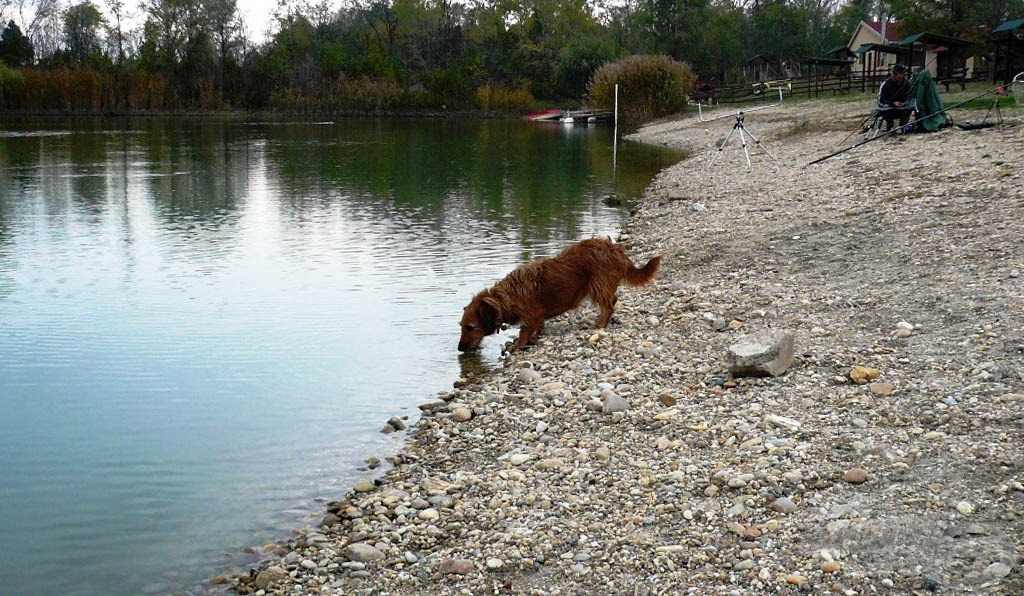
[649, 87]
[450, 87]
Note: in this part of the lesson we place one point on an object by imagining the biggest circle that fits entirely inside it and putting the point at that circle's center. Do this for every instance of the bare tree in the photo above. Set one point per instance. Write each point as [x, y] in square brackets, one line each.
[117, 11]
[41, 21]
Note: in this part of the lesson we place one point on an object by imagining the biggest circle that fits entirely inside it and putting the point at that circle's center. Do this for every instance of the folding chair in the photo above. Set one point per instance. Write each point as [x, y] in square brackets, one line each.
[874, 123]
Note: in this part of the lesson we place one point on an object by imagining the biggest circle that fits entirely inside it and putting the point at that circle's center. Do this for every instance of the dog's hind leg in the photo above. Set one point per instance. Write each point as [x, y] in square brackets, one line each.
[603, 293]
[607, 307]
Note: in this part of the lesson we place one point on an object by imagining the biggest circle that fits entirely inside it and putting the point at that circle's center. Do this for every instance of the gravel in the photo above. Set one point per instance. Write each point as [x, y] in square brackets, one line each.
[888, 457]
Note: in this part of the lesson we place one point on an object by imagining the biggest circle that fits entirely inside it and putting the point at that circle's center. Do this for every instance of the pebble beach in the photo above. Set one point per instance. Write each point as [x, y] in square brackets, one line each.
[886, 458]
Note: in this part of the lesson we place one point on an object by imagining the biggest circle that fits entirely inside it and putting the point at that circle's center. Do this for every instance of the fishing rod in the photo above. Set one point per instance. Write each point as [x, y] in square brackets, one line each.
[700, 113]
[997, 90]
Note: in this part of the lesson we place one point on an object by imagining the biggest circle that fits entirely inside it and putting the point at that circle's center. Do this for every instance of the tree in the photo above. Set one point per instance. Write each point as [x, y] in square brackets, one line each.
[116, 8]
[15, 48]
[82, 40]
[42, 24]
[225, 25]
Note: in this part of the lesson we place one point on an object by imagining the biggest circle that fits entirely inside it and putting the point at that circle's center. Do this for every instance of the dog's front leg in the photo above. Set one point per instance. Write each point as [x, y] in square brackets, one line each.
[526, 334]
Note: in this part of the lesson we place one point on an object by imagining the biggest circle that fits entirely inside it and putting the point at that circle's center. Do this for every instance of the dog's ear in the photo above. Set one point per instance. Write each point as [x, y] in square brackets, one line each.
[490, 314]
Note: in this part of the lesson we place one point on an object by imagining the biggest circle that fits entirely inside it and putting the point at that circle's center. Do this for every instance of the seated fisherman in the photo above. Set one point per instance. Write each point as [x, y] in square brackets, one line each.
[894, 97]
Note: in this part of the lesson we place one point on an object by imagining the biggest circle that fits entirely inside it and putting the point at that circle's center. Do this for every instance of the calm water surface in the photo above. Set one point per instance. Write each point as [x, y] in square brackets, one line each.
[204, 323]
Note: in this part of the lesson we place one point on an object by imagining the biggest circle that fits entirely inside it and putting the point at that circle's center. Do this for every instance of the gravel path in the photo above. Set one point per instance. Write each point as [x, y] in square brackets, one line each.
[888, 459]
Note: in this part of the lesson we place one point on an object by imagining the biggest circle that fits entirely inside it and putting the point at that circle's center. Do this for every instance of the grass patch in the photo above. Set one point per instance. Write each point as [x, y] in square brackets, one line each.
[984, 103]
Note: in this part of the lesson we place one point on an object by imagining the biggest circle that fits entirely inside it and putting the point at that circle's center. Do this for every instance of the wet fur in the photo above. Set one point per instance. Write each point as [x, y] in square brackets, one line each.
[538, 291]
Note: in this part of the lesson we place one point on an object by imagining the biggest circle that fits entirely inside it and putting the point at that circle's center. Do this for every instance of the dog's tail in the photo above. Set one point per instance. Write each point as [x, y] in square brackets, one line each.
[640, 276]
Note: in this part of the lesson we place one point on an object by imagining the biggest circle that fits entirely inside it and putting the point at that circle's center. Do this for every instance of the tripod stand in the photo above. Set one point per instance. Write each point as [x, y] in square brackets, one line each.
[744, 133]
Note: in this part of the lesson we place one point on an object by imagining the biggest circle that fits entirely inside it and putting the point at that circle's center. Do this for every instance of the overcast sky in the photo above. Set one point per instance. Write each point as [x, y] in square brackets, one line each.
[257, 15]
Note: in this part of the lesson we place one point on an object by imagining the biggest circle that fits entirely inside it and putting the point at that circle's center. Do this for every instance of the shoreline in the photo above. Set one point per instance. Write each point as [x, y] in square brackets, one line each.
[628, 460]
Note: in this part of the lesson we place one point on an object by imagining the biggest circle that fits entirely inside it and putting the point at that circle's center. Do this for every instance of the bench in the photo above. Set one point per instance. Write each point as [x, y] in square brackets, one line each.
[956, 75]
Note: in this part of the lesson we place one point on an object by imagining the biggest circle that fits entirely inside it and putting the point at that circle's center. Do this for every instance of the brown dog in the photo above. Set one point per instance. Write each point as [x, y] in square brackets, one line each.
[543, 289]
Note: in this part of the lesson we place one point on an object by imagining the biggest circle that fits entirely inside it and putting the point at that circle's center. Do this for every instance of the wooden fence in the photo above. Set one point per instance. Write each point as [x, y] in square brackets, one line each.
[809, 86]
[858, 81]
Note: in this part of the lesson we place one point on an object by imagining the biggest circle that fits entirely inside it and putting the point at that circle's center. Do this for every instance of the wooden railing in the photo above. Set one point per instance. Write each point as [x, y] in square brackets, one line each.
[815, 86]
[811, 86]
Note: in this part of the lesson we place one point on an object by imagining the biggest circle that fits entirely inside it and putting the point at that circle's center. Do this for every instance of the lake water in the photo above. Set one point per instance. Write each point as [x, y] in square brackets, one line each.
[204, 323]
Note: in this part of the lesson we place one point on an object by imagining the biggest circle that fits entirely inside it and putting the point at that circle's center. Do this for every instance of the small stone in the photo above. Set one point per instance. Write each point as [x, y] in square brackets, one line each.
[265, 579]
[494, 563]
[462, 414]
[932, 583]
[429, 514]
[862, 375]
[613, 403]
[965, 508]
[783, 505]
[830, 566]
[308, 564]
[457, 566]
[855, 476]
[518, 459]
[667, 400]
[784, 422]
[768, 353]
[997, 571]
[796, 579]
[529, 375]
[396, 423]
[364, 486]
[976, 530]
[881, 388]
[740, 481]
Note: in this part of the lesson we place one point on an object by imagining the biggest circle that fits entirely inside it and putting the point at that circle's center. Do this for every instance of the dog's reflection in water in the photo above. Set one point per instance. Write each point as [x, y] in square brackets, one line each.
[476, 365]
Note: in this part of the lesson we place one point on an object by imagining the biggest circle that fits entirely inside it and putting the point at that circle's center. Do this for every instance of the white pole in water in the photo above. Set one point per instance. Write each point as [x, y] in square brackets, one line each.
[615, 138]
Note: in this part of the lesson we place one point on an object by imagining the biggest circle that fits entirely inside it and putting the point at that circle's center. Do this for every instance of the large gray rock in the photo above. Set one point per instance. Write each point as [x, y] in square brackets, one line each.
[767, 353]
[362, 552]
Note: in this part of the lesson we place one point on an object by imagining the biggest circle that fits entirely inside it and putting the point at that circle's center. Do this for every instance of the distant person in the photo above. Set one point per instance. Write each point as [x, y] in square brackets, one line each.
[894, 97]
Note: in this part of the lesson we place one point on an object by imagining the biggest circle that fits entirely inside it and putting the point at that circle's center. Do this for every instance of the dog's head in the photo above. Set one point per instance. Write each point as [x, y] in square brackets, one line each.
[480, 318]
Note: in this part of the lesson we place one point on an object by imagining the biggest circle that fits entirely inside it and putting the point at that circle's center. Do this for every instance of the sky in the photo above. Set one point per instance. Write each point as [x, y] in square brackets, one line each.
[257, 15]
